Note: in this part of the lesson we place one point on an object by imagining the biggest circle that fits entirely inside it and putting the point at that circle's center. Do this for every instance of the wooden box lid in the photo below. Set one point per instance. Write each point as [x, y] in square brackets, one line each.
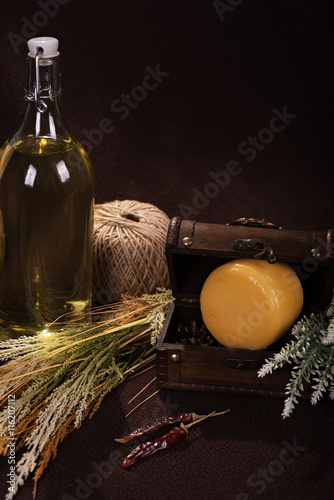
[194, 249]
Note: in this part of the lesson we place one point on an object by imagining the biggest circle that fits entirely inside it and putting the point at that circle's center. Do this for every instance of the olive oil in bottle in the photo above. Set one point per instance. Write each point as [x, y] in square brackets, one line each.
[46, 209]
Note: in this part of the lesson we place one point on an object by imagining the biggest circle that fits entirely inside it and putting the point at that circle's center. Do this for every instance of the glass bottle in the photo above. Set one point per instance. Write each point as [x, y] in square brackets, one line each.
[46, 208]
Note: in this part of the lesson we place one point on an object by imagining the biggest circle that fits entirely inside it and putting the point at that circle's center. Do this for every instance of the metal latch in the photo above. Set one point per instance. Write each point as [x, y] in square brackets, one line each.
[241, 364]
[252, 243]
[256, 244]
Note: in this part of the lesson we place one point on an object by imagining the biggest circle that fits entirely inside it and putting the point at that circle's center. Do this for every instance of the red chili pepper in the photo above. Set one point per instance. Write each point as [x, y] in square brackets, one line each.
[157, 424]
[168, 440]
[148, 448]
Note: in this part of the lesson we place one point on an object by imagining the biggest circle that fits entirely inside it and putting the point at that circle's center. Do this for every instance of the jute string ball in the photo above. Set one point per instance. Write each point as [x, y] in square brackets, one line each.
[129, 250]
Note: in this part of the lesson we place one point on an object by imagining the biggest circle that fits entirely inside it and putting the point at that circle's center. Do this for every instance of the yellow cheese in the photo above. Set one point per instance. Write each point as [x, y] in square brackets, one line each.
[249, 303]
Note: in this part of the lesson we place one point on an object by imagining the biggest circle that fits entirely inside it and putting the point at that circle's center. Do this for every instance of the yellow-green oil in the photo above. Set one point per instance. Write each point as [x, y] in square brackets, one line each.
[46, 217]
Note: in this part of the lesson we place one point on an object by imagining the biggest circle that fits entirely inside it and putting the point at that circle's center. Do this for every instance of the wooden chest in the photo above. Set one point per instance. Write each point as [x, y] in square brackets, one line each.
[194, 249]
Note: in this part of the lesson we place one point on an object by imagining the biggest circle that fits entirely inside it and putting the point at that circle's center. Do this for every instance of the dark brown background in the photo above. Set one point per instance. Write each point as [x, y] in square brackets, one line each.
[225, 78]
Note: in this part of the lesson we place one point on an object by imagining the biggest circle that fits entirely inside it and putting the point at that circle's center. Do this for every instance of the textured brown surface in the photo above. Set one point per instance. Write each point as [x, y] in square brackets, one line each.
[227, 80]
[224, 79]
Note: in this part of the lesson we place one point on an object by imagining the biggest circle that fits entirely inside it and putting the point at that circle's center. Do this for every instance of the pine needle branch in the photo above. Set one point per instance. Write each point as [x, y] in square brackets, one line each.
[311, 353]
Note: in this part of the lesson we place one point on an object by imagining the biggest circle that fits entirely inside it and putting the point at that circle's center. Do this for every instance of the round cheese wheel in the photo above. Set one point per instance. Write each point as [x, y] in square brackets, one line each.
[249, 303]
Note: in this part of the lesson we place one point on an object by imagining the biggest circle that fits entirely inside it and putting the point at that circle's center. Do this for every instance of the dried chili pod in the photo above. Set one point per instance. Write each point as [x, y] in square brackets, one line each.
[148, 448]
[158, 423]
[165, 441]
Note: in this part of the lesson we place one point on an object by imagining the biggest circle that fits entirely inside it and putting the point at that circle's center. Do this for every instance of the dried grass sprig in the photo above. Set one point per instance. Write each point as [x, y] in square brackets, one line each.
[61, 376]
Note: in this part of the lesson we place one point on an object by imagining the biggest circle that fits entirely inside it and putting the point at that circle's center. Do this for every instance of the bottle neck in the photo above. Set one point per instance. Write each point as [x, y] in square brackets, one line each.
[43, 118]
[48, 71]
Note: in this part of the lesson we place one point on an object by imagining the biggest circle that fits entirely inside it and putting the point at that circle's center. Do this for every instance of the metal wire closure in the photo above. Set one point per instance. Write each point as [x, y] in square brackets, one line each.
[40, 105]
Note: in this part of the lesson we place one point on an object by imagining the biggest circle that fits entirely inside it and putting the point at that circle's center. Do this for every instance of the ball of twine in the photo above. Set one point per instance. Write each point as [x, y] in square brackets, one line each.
[129, 250]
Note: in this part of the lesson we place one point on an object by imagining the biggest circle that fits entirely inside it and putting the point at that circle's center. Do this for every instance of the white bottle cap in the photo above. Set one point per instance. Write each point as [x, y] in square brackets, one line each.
[47, 43]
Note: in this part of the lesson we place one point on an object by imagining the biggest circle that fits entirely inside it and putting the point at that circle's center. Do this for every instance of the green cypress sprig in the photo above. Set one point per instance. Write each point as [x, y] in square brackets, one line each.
[311, 353]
